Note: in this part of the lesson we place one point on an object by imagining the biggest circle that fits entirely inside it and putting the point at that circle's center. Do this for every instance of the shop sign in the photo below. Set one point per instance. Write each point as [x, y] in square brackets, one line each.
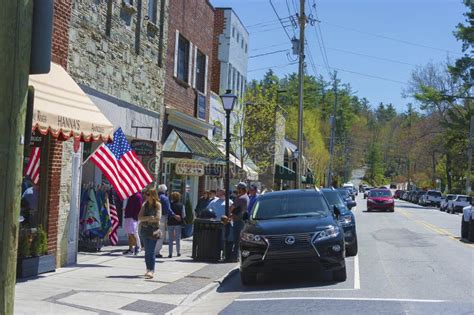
[189, 168]
[36, 140]
[212, 170]
[143, 147]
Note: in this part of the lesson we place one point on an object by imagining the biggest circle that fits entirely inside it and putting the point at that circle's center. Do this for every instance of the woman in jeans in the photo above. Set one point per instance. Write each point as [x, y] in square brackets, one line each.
[149, 216]
[175, 224]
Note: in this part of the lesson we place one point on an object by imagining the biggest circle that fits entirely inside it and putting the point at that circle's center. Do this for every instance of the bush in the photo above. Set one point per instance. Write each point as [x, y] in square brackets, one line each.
[39, 246]
[24, 246]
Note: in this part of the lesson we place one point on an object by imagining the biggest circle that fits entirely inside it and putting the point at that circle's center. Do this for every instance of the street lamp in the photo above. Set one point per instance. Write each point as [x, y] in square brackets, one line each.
[228, 102]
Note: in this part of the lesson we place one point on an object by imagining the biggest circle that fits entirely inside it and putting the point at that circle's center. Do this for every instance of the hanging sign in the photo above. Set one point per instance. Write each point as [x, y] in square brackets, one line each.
[36, 140]
[212, 170]
[189, 168]
[201, 106]
[143, 147]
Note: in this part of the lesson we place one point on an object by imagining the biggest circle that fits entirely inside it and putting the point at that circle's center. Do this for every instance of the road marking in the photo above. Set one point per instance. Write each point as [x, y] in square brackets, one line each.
[356, 273]
[434, 228]
[295, 290]
[338, 299]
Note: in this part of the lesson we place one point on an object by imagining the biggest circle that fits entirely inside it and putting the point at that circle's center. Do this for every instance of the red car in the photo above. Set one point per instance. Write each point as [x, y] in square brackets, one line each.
[397, 194]
[380, 199]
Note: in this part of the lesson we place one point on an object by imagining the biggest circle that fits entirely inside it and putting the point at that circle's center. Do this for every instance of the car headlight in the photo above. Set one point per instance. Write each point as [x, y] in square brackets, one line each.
[370, 200]
[345, 219]
[252, 238]
[331, 232]
[389, 201]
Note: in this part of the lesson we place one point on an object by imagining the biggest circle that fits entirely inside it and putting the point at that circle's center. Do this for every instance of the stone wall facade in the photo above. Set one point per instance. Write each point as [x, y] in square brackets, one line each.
[116, 49]
[194, 20]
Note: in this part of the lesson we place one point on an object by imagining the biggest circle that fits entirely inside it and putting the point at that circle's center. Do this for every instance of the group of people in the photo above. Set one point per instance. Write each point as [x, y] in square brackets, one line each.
[147, 216]
[212, 205]
[145, 224]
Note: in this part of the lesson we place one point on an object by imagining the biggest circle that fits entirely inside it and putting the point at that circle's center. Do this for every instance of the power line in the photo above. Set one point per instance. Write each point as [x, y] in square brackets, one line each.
[265, 22]
[390, 38]
[374, 57]
[279, 19]
[269, 53]
[369, 75]
[271, 46]
[273, 67]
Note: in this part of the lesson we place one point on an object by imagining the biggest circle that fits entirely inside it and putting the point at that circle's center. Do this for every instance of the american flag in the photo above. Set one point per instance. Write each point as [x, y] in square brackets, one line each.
[32, 169]
[121, 166]
[113, 237]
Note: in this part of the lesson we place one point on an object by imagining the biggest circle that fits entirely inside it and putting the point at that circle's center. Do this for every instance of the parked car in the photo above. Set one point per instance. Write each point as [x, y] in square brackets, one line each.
[346, 219]
[292, 230]
[366, 191]
[444, 202]
[420, 196]
[347, 198]
[393, 186]
[467, 223]
[458, 203]
[351, 187]
[431, 198]
[397, 194]
[405, 195]
[380, 199]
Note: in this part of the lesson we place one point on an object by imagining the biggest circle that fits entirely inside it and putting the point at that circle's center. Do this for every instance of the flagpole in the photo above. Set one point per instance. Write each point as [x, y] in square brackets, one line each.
[85, 161]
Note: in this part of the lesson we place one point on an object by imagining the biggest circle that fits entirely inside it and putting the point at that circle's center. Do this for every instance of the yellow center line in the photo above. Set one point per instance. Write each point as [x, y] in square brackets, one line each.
[434, 228]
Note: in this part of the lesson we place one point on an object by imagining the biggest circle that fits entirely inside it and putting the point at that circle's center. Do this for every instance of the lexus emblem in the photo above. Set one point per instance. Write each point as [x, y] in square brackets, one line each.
[290, 240]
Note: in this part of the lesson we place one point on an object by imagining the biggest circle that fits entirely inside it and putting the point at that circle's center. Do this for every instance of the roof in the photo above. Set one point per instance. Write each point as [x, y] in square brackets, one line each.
[291, 191]
[200, 145]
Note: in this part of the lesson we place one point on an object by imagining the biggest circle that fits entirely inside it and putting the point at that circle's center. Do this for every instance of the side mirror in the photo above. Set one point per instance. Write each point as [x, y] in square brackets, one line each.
[336, 211]
[351, 204]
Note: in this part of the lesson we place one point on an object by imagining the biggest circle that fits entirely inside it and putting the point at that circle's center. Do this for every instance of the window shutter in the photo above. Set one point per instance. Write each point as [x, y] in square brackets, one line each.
[195, 66]
[205, 75]
[190, 63]
[176, 46]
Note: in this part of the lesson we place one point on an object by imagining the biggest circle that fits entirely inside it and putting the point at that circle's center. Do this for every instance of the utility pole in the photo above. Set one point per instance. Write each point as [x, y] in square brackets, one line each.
[302, 22]
[332, 121]
[469, 157]
[15, 44]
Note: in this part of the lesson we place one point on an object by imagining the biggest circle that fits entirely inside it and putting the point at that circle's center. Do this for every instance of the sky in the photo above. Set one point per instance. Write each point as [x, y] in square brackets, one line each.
[373, 44]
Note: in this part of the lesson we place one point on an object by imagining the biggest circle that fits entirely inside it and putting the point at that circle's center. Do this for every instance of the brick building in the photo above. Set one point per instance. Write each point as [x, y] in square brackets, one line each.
[191, 164]
[61, 119]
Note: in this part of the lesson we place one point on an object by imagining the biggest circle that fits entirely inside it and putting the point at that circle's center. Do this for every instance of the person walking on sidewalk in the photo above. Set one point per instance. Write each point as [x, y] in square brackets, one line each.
[239, 213]
[175, 224]
[166, 213]
[134, 205]
[150, 216]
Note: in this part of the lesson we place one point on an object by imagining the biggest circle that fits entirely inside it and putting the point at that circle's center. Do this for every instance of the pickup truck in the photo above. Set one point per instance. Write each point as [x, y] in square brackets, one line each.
[458, 203]
[467, 223]
[431, 198]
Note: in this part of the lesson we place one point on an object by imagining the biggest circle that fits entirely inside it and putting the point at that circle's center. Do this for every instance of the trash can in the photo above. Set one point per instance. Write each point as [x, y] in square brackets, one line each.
[207, 239]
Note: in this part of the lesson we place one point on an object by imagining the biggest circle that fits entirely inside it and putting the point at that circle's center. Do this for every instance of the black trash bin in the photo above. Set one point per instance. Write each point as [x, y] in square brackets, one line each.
[207, 239]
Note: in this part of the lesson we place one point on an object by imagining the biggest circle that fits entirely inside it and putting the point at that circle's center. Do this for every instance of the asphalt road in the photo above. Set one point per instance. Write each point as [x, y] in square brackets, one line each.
[411, 261]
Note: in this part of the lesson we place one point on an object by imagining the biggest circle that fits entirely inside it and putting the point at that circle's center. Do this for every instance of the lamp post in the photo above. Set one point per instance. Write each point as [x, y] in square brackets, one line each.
[228, 102]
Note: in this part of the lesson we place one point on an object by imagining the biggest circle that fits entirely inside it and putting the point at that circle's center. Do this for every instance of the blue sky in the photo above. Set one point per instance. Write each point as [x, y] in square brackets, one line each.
[353, 30]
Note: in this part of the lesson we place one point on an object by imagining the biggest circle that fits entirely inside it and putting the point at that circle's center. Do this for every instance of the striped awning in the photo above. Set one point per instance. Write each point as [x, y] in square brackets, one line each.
[62, 109]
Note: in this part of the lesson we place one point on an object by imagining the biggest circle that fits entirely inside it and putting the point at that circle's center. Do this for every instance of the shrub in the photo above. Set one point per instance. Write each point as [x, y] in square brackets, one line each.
[24, 246]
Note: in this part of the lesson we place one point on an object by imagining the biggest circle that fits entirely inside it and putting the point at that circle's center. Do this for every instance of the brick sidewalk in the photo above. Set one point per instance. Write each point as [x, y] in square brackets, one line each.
[111, 283]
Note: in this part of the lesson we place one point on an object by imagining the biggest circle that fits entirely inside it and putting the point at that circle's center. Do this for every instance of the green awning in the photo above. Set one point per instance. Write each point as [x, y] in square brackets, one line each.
[284, 173]
[184, 142]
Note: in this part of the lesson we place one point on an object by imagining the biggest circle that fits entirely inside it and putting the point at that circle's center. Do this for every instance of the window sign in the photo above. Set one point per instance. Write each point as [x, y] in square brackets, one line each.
[190, 168]
[201, 106]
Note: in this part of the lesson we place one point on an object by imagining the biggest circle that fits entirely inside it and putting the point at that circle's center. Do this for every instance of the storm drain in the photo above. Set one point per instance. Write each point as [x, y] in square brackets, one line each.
[149, 307]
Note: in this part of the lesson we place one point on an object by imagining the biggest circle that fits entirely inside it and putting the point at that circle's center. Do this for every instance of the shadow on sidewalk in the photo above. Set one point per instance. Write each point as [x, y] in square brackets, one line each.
[125, 277]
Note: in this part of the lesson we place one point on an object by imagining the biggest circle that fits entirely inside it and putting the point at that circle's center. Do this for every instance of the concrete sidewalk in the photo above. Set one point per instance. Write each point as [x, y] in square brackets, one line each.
[111, 283]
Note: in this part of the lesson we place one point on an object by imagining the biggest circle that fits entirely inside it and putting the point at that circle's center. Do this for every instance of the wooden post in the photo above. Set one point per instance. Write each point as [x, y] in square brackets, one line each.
[15, 43]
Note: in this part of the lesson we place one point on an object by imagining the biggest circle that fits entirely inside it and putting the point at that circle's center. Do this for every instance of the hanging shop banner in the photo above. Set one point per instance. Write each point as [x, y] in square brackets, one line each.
[201, 106]
[36, 140]
[212, 170]
[143, 147]
[189, 168]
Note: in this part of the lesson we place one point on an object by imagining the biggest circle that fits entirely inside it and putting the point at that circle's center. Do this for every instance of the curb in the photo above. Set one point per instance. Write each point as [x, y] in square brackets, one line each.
[198, 295]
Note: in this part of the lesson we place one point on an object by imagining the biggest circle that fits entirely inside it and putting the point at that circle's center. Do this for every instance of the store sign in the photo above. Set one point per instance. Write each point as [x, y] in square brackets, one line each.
[36, 140]
[189, 168]
[201, 106]
[215, 171]
[143, 147]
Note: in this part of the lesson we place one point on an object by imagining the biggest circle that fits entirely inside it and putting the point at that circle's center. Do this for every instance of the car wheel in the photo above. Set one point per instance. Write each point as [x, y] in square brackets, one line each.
[392, 210]
[464, 228]
[470, 235]
[352, 250]
[247, 278]
[339, 275]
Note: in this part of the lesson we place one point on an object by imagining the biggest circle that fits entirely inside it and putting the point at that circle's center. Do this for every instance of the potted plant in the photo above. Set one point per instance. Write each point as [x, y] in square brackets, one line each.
[33, 258]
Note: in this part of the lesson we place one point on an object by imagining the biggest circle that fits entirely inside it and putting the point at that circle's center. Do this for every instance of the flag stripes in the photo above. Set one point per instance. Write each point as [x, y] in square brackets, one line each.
[32, 168]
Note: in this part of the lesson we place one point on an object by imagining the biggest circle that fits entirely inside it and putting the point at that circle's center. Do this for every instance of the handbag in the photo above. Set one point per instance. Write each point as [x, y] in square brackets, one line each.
[151, 231]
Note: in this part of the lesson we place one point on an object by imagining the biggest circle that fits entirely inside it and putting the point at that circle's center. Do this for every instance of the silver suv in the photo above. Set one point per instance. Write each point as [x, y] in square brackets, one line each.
[431, 198]
[467, 223]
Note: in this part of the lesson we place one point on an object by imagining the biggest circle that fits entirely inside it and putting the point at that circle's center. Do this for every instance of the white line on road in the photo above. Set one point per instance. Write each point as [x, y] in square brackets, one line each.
[356, 273]
[340, 298]
[294, 290]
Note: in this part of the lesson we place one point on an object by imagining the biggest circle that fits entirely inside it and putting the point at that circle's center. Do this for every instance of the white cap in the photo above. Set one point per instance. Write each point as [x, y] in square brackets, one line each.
[162, 188]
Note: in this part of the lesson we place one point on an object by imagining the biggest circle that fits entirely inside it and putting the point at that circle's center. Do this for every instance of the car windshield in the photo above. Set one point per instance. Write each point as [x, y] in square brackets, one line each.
[344, 192]
[380, 193]
[290, 205]
[333, 197]
[450, 197]
[434, 193]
